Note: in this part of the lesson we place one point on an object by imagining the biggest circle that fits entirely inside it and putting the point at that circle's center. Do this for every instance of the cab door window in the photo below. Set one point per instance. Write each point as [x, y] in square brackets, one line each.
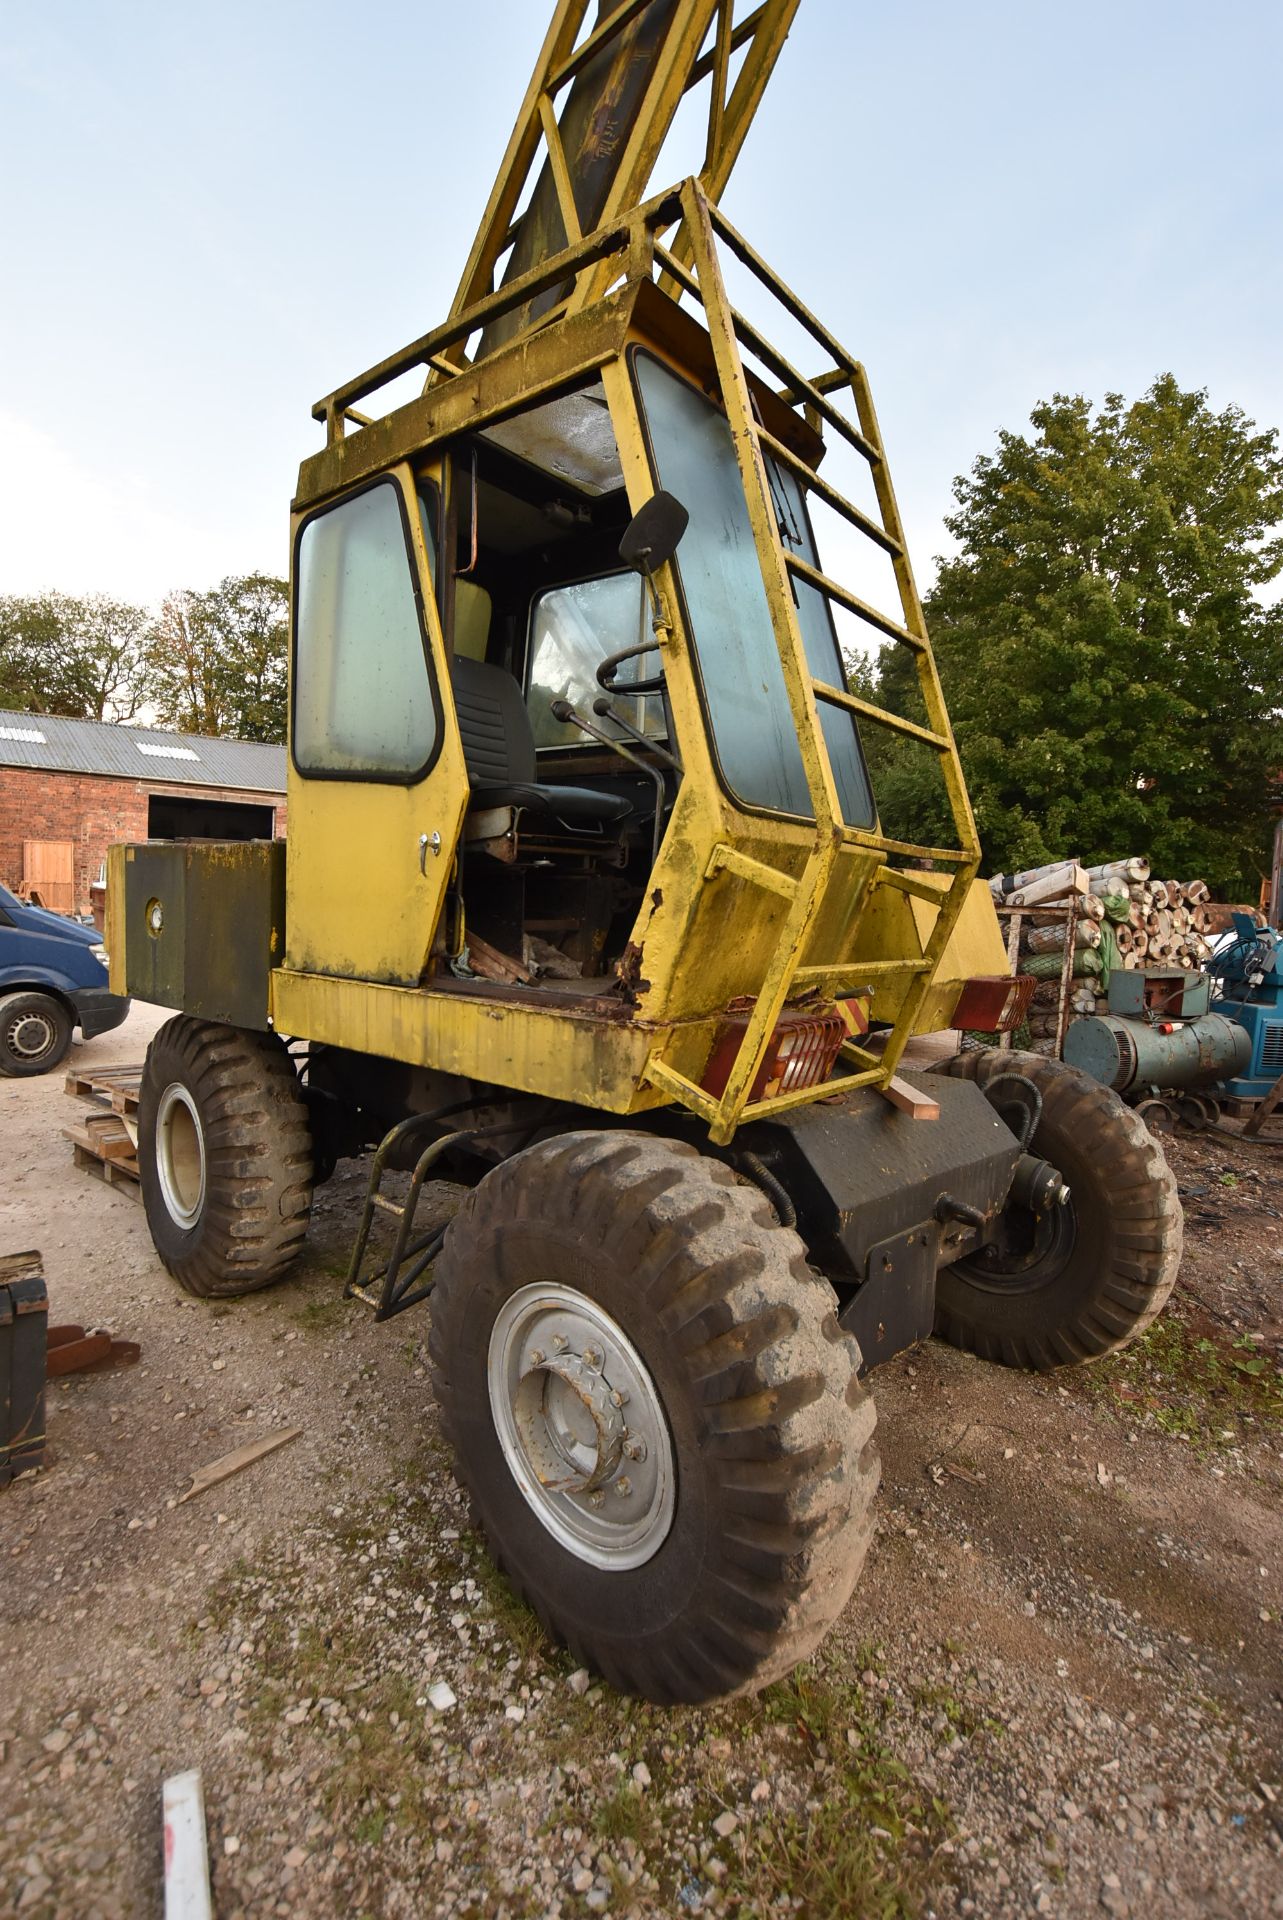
[365, 704]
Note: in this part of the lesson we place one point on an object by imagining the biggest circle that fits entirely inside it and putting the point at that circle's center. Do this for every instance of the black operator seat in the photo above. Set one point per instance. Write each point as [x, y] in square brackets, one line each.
[499, 751]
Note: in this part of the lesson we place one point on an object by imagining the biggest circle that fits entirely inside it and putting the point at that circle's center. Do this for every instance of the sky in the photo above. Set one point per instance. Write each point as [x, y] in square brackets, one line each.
[209, 217]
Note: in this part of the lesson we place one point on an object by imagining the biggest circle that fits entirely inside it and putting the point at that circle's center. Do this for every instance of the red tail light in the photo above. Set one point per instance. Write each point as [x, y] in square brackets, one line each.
[993, 1003]
[800, 1053]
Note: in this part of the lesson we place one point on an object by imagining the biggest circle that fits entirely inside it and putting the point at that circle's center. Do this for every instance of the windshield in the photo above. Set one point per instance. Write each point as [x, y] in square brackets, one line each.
[572, 630]
[743, 680]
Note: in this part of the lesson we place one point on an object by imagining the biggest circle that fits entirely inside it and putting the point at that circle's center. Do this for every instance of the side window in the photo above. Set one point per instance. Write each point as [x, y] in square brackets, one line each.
[363, 698]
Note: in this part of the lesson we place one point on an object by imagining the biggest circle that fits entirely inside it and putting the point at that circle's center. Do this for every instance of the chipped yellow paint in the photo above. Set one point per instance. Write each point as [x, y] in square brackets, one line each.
[363, 897]
[115, 927]
[740, 906]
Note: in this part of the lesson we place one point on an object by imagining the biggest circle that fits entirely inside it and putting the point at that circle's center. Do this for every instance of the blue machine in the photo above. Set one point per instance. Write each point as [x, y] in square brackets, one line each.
[1250, 973]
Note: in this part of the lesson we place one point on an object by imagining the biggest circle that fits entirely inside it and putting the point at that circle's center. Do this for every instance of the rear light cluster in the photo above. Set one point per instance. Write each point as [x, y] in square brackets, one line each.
[801, 1051]
[993, 1003]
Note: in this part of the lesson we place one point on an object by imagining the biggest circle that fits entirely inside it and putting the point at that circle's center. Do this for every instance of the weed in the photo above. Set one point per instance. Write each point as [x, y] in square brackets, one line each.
[625, 1816]
[513, 1618]
[1198, 1388]
[866, 1851]
[322, 1316]
[368, 1830]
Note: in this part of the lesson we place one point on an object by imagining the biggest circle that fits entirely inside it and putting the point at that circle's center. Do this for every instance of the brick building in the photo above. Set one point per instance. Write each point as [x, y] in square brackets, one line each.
[69, 789]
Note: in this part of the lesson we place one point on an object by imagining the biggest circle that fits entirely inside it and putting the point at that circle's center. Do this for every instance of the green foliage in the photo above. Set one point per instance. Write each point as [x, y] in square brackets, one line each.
[1112, 674]
[216, 662]
[211, 663]
[866, 1849]
[80, 658]
[1201, 1387]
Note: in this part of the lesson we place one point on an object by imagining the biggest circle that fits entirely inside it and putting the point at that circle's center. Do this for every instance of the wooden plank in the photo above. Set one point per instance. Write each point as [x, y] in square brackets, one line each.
[229, 1463]
[115, 1145]
[908, 1099]
[1256, 1120]
[49, 869]
[110, 1171]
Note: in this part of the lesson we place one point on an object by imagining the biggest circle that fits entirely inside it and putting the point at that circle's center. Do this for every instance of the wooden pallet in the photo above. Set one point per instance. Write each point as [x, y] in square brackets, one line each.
[103, 1143]
[114, 1087]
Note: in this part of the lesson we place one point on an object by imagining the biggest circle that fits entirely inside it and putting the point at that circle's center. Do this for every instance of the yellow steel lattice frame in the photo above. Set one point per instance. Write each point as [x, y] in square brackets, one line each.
[628, 247]
[729, 331]
[700, 38]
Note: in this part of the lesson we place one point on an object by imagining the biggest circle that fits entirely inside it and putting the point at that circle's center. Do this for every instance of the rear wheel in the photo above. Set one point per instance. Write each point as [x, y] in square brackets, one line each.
[224, 1156]
[35, 1033]
[655, 1411]
[1078, 1280]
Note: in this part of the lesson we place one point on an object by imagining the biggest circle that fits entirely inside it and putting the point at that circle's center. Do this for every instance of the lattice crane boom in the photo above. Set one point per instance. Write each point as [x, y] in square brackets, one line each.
[591, 127]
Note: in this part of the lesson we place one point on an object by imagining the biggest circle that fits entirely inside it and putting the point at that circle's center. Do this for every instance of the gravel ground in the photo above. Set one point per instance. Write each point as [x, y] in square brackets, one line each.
[1058, 1688]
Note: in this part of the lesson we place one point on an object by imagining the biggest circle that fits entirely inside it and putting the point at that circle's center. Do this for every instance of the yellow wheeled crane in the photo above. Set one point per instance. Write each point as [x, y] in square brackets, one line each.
[586, 902]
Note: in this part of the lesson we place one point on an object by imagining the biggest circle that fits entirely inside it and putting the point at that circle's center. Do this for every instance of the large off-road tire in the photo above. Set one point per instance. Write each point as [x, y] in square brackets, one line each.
[655, 1412]
[224, 1156]
[35, 1032]
[1084, 1278]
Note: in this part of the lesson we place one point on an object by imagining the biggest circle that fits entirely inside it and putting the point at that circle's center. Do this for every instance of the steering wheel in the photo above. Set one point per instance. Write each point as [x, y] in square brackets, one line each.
[610, 666]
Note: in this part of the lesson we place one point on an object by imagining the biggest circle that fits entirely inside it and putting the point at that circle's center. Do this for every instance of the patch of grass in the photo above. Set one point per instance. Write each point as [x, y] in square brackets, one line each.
[368, 1830]
[625, 1815]
[322, 1316]
[1200, 1387]
[521, 1628]
[939, 1697]
[865, 1848]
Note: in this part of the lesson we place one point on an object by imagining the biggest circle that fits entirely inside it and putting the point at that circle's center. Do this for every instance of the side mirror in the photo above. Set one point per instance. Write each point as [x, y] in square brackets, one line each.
[654, 533]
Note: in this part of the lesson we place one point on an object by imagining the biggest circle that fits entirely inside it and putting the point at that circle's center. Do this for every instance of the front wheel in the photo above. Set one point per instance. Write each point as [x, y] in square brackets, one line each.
[35, 1033]
[655, 1411]
[224, 1156]
[1078, 1280]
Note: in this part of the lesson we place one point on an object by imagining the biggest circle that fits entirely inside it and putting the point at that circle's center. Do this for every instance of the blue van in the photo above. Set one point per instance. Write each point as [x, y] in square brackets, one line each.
[53, 978]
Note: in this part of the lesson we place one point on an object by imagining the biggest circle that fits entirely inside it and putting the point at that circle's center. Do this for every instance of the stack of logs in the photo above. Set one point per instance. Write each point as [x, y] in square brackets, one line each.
[1169, 923]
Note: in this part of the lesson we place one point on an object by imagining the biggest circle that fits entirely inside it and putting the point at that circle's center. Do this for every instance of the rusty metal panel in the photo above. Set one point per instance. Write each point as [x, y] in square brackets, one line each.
[200, 926]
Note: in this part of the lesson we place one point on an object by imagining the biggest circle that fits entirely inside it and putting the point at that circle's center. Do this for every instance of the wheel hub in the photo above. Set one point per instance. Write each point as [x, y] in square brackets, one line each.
[31, 1035]
[582, 1426]
[180, 1154]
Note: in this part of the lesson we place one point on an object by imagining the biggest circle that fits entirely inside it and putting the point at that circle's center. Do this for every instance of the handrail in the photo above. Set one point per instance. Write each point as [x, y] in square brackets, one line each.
[629, 235]
[729, 331]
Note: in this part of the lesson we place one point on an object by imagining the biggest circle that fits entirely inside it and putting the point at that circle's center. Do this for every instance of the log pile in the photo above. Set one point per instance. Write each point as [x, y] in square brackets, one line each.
[1123, 917]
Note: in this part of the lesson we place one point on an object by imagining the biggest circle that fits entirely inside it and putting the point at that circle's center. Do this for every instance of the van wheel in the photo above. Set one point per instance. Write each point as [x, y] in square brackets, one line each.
[35, 1033]
[224, 1156]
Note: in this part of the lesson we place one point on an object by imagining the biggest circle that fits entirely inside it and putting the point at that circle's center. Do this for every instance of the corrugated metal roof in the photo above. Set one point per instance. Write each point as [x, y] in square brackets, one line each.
[139, 753]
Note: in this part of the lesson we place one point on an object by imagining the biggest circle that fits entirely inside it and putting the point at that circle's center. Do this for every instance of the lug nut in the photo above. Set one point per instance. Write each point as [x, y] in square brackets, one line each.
[635, 1448]
[593, 1359]
[618, 1399]
[623, 1486]
[537, 1356]
[596, 1499]
[559, 1343]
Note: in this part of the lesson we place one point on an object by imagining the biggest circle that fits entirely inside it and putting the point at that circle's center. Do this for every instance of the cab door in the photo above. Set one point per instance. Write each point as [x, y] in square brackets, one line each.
[376, 785]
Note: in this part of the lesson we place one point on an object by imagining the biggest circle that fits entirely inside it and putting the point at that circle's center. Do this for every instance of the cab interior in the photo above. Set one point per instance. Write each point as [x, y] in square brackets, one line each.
[565, 815]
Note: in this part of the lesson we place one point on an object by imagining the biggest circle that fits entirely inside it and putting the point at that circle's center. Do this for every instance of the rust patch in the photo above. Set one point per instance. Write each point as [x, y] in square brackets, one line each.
[628, 975]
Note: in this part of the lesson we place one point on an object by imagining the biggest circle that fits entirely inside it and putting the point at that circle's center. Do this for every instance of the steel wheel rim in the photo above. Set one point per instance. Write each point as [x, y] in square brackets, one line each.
[581, 1426]
[31, 1045]
[180, 1155]
[1054, 1238]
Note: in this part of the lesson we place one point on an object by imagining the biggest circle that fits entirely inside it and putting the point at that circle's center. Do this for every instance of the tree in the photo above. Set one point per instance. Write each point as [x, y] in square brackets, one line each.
[216, 662]
[1113, 676]
[81, 658]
